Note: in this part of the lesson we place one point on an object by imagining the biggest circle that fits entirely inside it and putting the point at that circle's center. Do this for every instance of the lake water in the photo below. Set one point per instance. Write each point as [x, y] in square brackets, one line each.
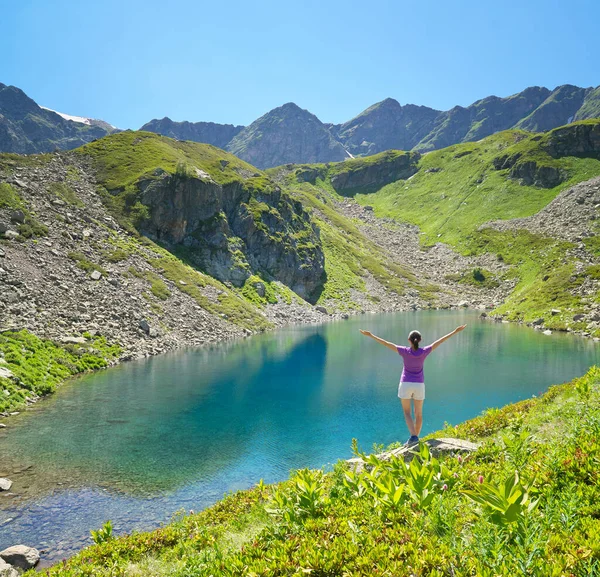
[139, 442]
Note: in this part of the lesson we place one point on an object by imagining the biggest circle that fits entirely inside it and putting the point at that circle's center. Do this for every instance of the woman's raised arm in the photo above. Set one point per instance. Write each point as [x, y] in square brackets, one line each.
[437, 343]
[387, 344]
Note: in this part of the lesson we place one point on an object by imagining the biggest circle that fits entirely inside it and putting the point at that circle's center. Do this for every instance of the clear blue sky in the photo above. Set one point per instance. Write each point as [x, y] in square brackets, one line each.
[127, 61]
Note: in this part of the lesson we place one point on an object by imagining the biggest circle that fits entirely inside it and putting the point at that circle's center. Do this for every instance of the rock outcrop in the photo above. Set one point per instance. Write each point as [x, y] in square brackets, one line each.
[437, 447]
[365, 176]
[580, 139]
[233, 231]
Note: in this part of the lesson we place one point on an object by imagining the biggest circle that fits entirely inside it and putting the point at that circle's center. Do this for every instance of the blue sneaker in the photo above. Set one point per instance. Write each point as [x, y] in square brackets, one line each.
[413, 440]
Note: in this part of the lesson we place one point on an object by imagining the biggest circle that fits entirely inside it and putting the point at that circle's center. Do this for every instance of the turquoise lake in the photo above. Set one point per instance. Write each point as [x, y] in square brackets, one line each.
[137, 443]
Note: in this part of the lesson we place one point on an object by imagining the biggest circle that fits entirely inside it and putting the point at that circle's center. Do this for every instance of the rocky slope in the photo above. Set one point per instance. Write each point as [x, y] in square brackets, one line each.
[27, 128]
[384, 126]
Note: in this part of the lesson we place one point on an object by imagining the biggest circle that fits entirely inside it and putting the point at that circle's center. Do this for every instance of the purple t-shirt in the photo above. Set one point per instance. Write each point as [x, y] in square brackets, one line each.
[413, 363]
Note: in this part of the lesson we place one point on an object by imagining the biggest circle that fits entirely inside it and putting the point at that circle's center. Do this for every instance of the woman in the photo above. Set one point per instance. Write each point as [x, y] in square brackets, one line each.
[412, 384]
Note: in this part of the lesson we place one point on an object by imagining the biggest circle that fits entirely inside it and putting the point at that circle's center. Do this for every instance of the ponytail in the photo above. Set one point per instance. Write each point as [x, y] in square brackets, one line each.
[415, 338]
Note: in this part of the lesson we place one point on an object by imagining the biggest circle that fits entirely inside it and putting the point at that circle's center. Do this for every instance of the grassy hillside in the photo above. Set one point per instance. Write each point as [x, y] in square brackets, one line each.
[122, 159]
[460, 188]
[528, 495]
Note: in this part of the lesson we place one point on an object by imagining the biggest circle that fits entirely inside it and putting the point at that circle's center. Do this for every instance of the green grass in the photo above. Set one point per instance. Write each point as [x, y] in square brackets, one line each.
[454, 193]
[435, 517]
[41, 365]
[9, 198]
[85, 264]
[65, 193]
[123, 158]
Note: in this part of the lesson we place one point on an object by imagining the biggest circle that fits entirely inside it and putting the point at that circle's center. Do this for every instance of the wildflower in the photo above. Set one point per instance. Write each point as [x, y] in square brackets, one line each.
[445, 487]
[455, 475]
[460, 459]
[480, 479]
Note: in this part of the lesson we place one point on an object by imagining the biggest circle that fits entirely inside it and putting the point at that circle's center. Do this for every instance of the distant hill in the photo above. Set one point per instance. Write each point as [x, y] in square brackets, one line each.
[27, 128]
[206, 132]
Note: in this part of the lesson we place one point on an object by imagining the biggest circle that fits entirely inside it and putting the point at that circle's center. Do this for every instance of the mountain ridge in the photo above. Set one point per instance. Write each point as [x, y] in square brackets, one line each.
[291, 134]
[278, 137]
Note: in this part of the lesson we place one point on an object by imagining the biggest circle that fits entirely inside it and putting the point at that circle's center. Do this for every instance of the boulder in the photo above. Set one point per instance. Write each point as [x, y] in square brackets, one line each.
[538, 322]
[11, 234]
[5, 373]
[322, 310]
[73, 340]
[437, 447]
[145, 326]
[260, 289]
[7, 570]
[578, 317]
[17, 216]
[21, 556]
[5, 484]
[96, 275]
[555, 312]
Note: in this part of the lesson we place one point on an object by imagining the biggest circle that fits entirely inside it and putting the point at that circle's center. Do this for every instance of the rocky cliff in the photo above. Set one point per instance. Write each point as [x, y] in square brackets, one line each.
[373, 173]
[27, 128]
[236, 230]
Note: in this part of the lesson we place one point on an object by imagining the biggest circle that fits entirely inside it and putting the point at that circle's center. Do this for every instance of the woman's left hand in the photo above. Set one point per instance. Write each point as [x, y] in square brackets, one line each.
[461, 328]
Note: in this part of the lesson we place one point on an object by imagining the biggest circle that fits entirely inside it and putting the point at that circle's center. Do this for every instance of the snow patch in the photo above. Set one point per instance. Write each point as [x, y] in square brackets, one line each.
[80, 119]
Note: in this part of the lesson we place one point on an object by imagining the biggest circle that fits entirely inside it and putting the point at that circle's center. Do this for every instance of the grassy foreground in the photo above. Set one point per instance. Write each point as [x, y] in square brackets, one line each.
[526, 503]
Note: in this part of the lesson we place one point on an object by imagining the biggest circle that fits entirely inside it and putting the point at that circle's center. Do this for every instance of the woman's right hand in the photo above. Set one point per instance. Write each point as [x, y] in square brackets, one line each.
[461, 328]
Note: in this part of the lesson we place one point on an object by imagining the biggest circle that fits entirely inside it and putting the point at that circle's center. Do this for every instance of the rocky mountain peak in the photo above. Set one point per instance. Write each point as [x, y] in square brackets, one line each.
[14, 102]
[287, 134]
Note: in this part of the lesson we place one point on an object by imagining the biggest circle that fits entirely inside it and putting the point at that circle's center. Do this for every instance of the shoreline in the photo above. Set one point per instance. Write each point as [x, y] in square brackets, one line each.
[177, 346]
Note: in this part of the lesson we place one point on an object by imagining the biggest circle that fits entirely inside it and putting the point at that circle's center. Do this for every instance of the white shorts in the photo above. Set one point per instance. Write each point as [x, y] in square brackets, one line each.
[414, 391]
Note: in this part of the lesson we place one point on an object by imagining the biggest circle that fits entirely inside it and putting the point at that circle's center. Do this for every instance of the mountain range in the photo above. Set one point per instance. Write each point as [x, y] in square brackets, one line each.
[290, 134]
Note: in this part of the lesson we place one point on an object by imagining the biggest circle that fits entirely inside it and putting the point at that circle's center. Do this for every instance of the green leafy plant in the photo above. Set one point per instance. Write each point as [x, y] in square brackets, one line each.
[104, 534]
[504, 503]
